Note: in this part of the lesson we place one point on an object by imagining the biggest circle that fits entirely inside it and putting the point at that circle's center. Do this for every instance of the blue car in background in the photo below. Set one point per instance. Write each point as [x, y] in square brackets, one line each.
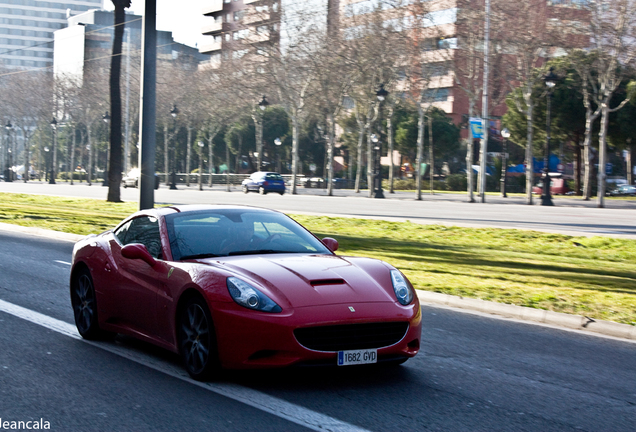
[263, 182]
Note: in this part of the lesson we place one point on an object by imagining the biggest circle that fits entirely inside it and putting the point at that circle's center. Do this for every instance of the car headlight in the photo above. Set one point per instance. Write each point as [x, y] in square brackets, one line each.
[402, 288]
[248, 296]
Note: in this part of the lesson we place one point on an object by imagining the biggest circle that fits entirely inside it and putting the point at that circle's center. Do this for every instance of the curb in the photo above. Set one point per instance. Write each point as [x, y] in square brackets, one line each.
[575, 322]
[58, 235]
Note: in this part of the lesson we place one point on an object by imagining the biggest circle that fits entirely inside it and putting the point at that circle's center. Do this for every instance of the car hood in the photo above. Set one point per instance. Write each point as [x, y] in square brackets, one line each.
[313, 280]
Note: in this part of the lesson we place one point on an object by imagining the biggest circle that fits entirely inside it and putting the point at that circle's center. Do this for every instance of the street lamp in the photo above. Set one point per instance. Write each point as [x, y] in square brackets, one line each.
[201, 145]
[46, 162]
[258, 117]
[278, 143]
[8, 177]
[505, 134]
[106, 119]
[381, 94]
[173, 175]
[546, 199]
[377, 178]
[54, 161]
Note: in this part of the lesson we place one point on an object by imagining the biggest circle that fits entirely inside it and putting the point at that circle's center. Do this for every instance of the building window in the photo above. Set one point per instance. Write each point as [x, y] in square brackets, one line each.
[228, 17]
[437, 94]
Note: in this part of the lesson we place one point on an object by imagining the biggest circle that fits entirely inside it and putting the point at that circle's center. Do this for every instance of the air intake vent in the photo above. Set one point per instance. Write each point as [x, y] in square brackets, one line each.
[351, 336]
[327, 282]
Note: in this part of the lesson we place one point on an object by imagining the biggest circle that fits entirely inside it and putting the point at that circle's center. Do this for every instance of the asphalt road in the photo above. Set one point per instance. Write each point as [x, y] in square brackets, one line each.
[473, 373]
[569, 215]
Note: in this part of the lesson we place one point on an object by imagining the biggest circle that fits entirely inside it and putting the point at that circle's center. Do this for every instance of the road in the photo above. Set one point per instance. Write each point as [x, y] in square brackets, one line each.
[473, 373]
[569, 215]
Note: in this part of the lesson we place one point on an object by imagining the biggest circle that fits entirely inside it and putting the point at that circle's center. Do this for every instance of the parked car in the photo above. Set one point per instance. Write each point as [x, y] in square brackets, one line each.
[242, 288]
[623, 190]
[132, 179]
[264, 182]
[558, 186]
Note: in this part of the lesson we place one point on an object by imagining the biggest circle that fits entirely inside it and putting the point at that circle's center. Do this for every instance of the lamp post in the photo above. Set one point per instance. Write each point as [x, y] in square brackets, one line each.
[381, 94]
[505, 134]
[546, 198]
[106, 119]
[201, 145]
[262, 105]
[377, 178]
[277, 143]
[173, 175]
[7, 174]
[46, 162]
[54, 158]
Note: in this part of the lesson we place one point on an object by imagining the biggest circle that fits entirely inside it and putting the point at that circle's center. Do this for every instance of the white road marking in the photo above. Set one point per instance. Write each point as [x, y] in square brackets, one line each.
[62, 262]
[270, 404]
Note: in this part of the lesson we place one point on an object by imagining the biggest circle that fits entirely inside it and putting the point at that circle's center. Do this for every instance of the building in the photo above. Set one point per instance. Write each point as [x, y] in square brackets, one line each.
[88, 40]
[27, 27]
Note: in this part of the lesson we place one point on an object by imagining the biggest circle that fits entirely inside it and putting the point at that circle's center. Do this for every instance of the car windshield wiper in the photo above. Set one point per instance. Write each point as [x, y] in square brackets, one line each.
[197, 256]
[259, 252]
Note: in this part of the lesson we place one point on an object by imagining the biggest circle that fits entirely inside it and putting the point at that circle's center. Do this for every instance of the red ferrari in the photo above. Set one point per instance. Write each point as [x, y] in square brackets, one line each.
[241, 287]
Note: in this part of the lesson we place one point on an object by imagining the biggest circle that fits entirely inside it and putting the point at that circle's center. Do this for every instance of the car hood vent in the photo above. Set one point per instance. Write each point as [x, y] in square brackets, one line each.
[327, 282]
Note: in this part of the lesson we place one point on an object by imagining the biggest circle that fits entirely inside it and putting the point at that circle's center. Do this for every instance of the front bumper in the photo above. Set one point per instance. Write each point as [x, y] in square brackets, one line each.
[249, 339]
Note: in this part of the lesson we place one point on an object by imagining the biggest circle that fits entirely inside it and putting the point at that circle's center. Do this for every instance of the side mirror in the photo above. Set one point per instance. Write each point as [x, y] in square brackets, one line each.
[331, 243]
[138, 251]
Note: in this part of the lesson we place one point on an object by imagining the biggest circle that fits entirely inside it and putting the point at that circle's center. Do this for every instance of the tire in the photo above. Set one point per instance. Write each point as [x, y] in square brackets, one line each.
[84, 305]
[245, 189]
[261, 190]
[197, 339]
[281, 193]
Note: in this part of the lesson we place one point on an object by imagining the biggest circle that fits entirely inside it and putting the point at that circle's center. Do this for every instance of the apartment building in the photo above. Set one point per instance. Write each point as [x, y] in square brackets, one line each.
[27, 27]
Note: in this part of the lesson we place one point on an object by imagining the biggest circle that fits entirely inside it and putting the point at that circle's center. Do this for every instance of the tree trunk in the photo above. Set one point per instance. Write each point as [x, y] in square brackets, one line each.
[359, 167]
[577, 168]
[602, 154]
[389, 127]
[431, 155]
[211, 157]
[89, 140]
[420, 150]
[115, 165]
[331, 125]
[188, 155]
[73, 142]
[587, 181]
[630, 163]
[294, 151]
[529, 152]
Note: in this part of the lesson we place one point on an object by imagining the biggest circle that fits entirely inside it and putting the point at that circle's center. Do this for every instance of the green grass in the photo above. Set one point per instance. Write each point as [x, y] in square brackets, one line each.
[592, 276]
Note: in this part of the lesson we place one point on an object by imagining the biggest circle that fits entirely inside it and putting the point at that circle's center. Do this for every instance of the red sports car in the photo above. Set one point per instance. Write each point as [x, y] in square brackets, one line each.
[241, 287]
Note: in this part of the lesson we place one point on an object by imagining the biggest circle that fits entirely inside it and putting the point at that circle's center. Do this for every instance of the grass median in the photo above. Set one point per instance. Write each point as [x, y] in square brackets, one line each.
[592, 276]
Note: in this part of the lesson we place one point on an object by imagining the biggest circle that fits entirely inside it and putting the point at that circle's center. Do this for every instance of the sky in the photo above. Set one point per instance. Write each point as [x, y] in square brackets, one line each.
[183, 17]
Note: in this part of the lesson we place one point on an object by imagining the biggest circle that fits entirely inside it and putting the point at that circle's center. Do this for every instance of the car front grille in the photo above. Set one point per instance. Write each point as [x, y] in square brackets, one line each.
[351, 336]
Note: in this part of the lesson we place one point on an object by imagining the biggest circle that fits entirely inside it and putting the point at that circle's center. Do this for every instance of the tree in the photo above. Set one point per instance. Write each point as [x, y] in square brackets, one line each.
[115, 166]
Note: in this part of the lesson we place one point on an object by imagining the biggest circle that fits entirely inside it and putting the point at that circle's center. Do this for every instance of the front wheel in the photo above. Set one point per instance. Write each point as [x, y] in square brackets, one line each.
[84, 305]
[197, 339]
[245, 190]
[261, 190]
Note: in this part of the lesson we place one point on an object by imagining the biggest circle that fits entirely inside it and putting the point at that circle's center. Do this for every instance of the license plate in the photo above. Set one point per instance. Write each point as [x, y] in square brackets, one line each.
[356, 357]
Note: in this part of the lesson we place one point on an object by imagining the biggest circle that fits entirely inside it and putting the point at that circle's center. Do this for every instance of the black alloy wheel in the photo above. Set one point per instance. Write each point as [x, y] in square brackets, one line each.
[197, 339]
[85, 305]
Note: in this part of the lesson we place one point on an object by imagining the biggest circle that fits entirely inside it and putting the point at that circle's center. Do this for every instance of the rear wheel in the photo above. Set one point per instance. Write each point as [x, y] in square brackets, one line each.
[85, 306]
[245, 189]
[197, 339]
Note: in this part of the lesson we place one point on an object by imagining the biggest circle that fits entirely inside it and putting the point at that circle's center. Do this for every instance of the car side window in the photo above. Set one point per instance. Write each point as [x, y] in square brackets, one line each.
[144, 230]
[122, 231]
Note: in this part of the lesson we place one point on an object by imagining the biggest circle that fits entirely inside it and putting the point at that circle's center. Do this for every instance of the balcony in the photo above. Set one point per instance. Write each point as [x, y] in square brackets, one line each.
[212, 28]
[255, 17]
[212, 6]
[257, 37]
[246, 2]
[210, 47]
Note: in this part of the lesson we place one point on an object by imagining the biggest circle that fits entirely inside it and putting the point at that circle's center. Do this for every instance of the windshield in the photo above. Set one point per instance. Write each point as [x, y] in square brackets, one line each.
[228, 232]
